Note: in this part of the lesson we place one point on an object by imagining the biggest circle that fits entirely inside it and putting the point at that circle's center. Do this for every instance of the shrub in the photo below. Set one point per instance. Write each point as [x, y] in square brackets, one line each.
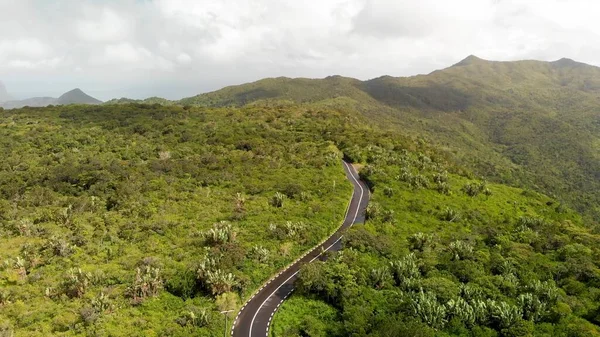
[449, 215]
[222, 232]
[196, 317]
[460, 250]
[182, 283]
[277, 200]
[373, 211]
[428, 309]
[419, 241]
[388, 191]
[147, 283]
[76, 282]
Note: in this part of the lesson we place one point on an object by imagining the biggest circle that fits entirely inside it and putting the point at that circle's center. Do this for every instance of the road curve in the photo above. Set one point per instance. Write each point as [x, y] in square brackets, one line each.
[254, 319]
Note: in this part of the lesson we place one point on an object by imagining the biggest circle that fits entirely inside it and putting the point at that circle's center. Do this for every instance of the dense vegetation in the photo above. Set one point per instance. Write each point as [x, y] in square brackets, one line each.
[145, 220]
[444, 254]
[525, 123]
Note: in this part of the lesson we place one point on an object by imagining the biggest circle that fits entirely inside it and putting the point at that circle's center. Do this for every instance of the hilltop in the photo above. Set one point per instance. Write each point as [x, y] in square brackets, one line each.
[76, 96]
[531, 123]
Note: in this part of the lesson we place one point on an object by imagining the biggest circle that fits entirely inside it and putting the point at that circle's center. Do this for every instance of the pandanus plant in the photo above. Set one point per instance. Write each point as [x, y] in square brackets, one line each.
[277, 200]
[260, 254]
[147, 283]
[426, 307]
[222, 232]
[505, 314]
[420, 241]
[76, 282]
[459, 308]
[219, 281]
[405, 271]
[381, 277]
[460, 250]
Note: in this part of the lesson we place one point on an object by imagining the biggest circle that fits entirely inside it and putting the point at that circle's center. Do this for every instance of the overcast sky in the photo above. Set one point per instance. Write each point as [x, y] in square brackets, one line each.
[177, 48]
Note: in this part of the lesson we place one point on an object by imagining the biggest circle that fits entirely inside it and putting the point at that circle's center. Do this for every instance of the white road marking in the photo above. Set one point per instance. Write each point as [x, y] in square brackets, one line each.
[352, 172]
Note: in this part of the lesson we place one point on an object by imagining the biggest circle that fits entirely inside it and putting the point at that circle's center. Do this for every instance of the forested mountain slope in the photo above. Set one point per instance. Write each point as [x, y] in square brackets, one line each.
[526, 123]
[140, 219]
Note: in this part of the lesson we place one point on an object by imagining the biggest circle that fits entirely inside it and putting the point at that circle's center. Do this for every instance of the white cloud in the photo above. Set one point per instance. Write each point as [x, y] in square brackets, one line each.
[102, 25]
[26, 47]
[184, 58]
[195, 45]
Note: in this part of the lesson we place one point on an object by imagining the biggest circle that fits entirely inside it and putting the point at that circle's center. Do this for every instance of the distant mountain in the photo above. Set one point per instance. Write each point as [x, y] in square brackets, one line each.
[150, 100]
[32, 102]
[75, 96]
[528, 123]
[4, 96]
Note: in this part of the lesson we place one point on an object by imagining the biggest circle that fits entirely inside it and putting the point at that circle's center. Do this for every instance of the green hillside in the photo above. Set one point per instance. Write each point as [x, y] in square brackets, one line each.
[136, 219]
[525, 123]
[446, 255]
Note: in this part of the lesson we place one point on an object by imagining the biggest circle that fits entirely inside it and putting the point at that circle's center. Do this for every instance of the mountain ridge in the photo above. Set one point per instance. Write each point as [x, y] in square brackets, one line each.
[75, 96]
[510, 119]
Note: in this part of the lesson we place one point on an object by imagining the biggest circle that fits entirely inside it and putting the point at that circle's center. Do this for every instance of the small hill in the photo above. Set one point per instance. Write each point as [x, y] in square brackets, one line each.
[76, 96]
[4, 95]
[150, 100]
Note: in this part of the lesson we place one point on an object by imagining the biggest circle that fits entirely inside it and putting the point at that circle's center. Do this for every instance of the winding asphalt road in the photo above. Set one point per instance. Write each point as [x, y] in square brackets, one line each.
[255, 317]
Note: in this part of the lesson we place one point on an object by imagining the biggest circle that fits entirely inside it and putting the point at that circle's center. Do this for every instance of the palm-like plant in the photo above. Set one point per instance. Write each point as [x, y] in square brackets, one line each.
[60, 246]
[506, 315]
[419, 241]
[5, 297]
[546, 291]
[147, 283]
[443, 188]
[533, 309]
[260, 254]
[406, 270]
[240, 202]
[440, 177]
[373, 211]
[449, 215]
[101, 303]
[419, 181]
[426, 307]
[219, 281]
[195, 317]
[463, 311]
[381, 277]
[20, 265]
[76, 282]
[222, 232]
[277, 200]
[460, 250]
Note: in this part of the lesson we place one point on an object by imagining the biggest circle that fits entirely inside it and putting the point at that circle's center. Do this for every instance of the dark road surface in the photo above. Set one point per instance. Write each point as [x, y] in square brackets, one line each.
[255, 317]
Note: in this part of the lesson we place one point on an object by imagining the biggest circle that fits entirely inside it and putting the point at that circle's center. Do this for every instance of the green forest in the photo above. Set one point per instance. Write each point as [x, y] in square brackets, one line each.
[149, 218]
[445, 254]
[145, 220]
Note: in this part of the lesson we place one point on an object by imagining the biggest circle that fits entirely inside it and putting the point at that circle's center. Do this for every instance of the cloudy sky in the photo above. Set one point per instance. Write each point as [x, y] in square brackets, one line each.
[177, 48]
